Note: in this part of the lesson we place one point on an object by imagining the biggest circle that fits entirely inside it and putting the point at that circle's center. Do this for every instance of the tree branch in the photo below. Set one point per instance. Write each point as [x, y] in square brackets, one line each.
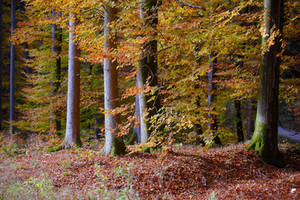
[183, 4]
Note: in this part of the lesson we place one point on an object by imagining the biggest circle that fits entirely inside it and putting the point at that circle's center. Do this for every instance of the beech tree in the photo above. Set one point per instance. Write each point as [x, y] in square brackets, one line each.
[147, 68]
[12, 70]
[265, 137]
[72, 136]
[114, 145]
[56, 40]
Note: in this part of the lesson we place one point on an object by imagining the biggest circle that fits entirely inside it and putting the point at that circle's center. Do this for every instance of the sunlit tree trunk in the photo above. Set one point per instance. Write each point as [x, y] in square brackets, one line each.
[147, 68]
[12, 71]
[72, 137]
[264, 139]
[114, 145]
[137, 126]
[238, 120]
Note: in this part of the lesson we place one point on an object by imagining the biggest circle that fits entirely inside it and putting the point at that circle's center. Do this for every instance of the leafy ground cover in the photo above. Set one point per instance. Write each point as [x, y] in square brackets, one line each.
[182, 172]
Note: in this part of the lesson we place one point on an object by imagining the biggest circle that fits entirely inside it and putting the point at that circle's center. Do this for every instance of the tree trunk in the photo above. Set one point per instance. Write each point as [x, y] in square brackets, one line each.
[56, 39]
[1, 64]
[72, 137]
[137, 126]
[238, 119]
[265, 139]
[212, 124]
[114, 145]
[250, 119]
[147, 68]
[12, 71]
[142, 107]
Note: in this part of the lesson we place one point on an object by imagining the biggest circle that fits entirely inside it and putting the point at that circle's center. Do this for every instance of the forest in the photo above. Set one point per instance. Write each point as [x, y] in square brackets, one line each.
[149, 99]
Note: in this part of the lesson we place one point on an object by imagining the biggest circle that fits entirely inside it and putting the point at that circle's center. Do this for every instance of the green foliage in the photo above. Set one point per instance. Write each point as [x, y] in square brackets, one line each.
[12, 149]
[33, 188]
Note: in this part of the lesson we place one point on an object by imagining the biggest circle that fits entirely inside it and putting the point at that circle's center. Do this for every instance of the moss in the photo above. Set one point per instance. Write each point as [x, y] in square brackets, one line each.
[271, 156]
[70, 144]
[131, 138]
[257, 142]
[118, 147]
[53, 149]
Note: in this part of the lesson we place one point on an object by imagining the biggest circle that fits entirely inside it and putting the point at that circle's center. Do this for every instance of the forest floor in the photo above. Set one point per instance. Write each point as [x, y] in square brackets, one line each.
[183, 172]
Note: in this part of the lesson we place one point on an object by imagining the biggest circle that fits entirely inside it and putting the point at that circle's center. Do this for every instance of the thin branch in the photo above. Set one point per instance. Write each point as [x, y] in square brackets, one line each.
[183, 4]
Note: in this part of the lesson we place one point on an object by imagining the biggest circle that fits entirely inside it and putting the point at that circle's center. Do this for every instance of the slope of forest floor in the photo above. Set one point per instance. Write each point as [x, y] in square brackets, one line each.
[185, 172]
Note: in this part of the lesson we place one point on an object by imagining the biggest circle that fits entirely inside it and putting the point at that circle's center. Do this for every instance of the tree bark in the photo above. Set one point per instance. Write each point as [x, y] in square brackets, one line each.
[114, 145]
[212, 124]
[1, 64]
[147, 68]
[137, 126]
[239, 121]
[265, 139]
[250, 119]
[56, 39]
[12, 71]
[142, 107]
[72, 137]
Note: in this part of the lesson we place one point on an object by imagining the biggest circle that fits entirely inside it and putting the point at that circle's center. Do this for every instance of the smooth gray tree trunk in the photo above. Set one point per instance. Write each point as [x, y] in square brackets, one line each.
[114, 145]
[147, 70]
[265, 139]
[142, 107]
[72, 137]
[137, 127]
[12, 71]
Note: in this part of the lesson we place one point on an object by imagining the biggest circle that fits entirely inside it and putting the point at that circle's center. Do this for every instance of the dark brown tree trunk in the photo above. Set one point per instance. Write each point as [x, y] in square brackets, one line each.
[212, 124]
[56, 40]
[250, 118]
[1, 64]
[265, 137]
[12, 71]
[238, 120]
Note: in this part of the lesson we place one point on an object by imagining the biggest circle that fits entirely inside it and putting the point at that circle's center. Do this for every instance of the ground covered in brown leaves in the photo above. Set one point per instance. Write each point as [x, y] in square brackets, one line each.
[186, 172]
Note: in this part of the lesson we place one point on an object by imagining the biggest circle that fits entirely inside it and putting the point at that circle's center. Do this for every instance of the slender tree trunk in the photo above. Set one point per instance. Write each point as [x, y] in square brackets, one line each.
[265, 137]
[58, 49]
[1, 64]
[212, 124]
[142, 107]
[137, 126]
[113, 144]
[12, 70]
[72, 137]
[250, 119]
[147, 68]
[239, 121]
[56, 39]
